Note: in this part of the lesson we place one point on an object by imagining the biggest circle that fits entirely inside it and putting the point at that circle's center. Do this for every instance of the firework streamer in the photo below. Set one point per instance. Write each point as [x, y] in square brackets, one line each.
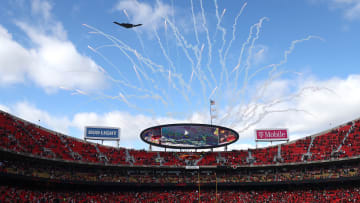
[144, 60]
[133, 62]
[74, 91]
[173, 68]
[249, 56]
[121, 97]
[249, 42]
[234, 30]
[265, 113]
[166, 37]
[136, 32]
[252, 108]
[238, 65]
[148, 96]
[137, 74]
[125, 83]
[208, 42]
[250, 112]
[271, 77]
[275, 66]
[220, 51]
[164, 52]
[250, 49]
[116, 43]
[123, 48]
[109, 62]
[242, 109]
[212, 93]
[198, 67]
[167, 58]
[194, 23]
[286, 54]
[256, 109]
[151, 64]
[185, 46]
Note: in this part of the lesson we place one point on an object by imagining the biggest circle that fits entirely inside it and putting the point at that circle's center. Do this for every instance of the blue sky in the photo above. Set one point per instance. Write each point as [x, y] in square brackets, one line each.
[267, 64]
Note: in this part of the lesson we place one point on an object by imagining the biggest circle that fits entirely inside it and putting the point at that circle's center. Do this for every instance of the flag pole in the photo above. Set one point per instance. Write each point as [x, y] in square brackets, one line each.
[210, 111]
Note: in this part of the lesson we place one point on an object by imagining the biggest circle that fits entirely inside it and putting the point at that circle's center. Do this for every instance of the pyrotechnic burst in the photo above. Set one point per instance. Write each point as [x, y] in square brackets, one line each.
[184, 65]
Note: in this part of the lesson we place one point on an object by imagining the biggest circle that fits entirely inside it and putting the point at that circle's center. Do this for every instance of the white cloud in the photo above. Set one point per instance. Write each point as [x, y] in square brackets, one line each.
[327, 109]
[131, 125]
[4, 108]
[140, 12]
[52, 61]
[57, 63]
[240, 146]
[350, 8]
[336, 103]
[276, 89]
[42, 8]
[353, 12]
[29, 112]
[13, 59]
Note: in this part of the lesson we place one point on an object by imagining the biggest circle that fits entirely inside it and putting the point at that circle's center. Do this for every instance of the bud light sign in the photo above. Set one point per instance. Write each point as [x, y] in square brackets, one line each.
[102, 133]
[271, 135]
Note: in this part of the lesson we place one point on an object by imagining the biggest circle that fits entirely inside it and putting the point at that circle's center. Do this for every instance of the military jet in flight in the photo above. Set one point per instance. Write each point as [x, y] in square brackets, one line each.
[127, 25]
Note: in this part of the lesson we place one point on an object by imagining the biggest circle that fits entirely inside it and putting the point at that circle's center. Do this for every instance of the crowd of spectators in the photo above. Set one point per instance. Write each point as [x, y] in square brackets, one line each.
[21, 136]
[13, 194]
[50, 171]
[112, 166]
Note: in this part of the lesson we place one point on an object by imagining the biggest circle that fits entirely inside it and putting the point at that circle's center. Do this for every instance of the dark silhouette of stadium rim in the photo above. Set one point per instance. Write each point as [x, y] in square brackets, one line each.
[189, 136]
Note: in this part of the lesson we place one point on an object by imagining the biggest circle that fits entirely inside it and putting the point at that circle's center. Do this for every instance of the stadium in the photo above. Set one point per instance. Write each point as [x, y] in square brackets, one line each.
[179, 101]
[40, 164]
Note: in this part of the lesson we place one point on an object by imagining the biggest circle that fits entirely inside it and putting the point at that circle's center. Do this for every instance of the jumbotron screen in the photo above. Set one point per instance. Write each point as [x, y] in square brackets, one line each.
[189, 136]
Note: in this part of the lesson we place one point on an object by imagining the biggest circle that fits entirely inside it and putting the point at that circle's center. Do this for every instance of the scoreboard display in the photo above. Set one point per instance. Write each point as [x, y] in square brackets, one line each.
[189, 136]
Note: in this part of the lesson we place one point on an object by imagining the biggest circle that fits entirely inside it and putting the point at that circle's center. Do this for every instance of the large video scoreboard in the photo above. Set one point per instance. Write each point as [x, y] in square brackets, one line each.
[191, 136]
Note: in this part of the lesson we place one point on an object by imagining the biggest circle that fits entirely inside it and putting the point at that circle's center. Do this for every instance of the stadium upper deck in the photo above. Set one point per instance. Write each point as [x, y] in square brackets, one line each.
[20, 136]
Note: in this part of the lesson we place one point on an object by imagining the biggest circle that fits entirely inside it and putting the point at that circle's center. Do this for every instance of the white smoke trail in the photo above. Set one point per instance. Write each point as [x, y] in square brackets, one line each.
[224, 72]
[234, 29]
[109, 62]
[250, 49]
[209, 44]
[238, 65]
[164, 52]
[212, 93]
[249, 44]
[136, 32]
[126, 84]
[123, 48]
[194, 23]
[241, 108]
[197, 52]
[286, 54]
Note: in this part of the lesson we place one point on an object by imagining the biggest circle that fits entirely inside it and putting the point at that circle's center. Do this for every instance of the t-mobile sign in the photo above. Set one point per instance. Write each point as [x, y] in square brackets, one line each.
[271, 135]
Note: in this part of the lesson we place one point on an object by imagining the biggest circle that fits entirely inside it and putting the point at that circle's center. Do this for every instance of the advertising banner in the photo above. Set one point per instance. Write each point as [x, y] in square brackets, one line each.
[271, 135]
[102, 133]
